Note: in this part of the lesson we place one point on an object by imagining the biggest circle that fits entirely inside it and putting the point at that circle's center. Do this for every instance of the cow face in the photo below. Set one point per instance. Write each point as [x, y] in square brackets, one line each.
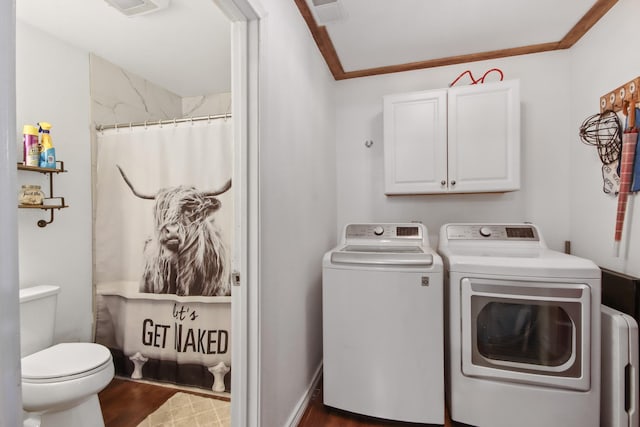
[178, 210]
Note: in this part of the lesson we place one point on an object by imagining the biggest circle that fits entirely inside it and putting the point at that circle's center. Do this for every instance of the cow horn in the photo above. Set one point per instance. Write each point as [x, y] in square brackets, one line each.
[133, 190]
[224, 188]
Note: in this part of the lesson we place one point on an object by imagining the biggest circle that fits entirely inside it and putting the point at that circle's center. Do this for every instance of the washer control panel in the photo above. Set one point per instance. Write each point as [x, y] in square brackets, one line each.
[384, 231]
[492, 232]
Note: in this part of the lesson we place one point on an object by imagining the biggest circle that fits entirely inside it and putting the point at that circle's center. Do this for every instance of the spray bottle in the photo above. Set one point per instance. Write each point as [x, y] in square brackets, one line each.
[31, 150]
[47, 153]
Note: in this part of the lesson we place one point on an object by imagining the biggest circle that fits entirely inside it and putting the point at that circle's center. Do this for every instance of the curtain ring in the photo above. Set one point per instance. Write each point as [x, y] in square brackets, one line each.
[175, 124]
[145, 125]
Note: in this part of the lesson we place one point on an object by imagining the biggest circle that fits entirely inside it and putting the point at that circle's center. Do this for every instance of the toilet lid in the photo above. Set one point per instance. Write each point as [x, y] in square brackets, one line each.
[64, 360]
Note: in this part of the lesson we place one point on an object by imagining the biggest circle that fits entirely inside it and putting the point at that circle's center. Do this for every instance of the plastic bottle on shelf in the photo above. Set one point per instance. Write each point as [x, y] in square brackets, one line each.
[31, 147]
[47, 152]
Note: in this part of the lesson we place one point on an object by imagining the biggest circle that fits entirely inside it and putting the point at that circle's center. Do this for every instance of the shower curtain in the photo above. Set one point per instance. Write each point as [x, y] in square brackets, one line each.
[163, 233]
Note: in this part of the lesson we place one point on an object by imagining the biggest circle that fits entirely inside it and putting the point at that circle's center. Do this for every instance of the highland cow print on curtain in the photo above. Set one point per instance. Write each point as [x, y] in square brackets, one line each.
[163, 233]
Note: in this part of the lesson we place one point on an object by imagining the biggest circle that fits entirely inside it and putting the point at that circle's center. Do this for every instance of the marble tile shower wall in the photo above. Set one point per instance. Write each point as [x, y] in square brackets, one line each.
[118, 96]
[218, 103]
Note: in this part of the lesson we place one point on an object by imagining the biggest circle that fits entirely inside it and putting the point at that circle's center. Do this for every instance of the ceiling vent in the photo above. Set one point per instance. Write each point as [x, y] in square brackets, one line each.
[326, 11]
[138, 7]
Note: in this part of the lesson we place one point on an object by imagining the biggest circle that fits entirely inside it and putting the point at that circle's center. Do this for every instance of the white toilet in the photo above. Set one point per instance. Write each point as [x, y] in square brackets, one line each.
[60, 383]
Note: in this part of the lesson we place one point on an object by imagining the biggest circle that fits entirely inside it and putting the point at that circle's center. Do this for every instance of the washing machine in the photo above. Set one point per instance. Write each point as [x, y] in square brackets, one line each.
[523, 329]
[382, 306]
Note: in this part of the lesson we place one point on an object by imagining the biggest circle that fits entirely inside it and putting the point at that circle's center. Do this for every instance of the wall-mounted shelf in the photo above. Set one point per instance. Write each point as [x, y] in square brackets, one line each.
[49, 203]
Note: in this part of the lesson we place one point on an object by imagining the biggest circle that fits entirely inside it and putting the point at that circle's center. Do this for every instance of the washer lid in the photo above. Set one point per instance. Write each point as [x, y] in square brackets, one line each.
[382, 255]
[383, 249]
[64, 360]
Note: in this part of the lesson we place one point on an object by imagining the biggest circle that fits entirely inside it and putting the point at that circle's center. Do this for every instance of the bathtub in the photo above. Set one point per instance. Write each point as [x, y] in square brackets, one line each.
[180, 331]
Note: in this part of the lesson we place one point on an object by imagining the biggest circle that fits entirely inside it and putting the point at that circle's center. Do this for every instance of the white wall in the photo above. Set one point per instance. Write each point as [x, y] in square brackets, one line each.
[601, 62]
[52, 84]
[545, 150]
[297, 206]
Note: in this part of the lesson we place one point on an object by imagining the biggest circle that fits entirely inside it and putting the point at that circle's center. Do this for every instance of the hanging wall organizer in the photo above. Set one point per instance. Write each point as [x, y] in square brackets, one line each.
[616, 99]
[624, 99]
[50, 202]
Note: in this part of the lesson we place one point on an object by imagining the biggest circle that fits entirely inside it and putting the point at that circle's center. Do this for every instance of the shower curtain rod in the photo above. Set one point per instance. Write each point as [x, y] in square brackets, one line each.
[162, 122]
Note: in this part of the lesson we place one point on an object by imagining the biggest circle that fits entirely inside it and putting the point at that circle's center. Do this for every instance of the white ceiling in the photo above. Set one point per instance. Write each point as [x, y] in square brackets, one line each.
[379, 33]
[184, 48]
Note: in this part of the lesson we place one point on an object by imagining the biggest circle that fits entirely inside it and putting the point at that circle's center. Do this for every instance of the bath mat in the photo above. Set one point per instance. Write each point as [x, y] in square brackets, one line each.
[189, 410]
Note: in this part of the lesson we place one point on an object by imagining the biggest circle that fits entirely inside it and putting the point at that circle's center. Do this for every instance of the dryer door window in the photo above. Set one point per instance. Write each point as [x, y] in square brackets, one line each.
[530, 332]
[524, 333]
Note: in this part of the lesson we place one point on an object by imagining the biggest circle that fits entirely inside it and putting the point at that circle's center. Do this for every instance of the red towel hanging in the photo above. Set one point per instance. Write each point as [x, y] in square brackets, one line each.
[629, 139]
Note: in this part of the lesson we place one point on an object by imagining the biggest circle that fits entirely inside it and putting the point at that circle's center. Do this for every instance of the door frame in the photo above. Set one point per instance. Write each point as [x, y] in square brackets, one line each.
[10, 389]
[245, 406]
[245, 16]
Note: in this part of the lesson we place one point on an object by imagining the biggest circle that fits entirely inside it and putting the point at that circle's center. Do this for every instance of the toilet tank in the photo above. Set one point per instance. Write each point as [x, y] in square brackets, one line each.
[37, 318]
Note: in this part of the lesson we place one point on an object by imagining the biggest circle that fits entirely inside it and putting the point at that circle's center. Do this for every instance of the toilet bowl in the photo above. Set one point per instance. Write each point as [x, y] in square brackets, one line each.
[60, 385]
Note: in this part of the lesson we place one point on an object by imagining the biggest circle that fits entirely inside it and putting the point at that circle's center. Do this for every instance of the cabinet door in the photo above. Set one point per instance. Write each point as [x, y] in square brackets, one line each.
[415, 141]
[484, 137]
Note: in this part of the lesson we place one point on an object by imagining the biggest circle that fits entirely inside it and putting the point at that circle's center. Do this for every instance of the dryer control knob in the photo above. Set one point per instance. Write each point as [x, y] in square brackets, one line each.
[485, 231]
[378, 231]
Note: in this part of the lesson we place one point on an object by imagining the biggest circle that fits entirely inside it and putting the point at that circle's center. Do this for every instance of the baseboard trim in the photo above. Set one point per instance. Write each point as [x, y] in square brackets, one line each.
[296, 416]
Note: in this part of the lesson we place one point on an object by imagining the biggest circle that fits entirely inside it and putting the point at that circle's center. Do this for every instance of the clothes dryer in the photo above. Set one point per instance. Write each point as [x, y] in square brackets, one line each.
[523, 342]
[382, 304]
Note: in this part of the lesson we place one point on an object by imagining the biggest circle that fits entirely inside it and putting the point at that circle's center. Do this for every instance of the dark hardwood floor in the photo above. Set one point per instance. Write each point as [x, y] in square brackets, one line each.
[319, 415]
[126, 403]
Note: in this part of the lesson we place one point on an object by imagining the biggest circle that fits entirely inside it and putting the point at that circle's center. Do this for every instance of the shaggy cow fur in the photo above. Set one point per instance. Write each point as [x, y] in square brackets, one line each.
[186, 256]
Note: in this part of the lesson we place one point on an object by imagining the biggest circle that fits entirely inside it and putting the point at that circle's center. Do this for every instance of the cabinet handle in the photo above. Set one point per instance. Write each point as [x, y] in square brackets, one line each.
[443, 182]
[453, 182]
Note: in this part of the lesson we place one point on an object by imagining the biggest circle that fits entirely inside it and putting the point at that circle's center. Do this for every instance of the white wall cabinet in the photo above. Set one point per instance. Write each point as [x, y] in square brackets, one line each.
[459, 140]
